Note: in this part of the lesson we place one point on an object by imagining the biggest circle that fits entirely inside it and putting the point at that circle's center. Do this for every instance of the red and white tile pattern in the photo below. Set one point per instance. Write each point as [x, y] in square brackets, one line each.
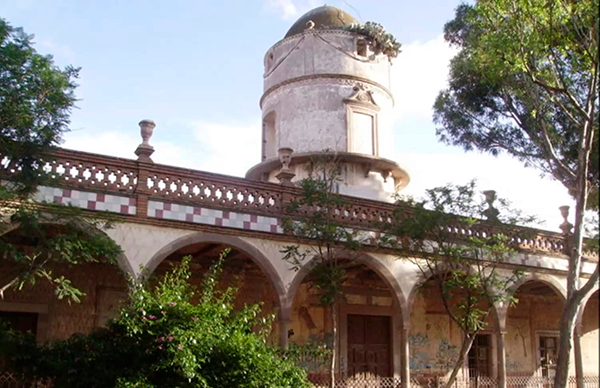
[201, 215]
[87, 200]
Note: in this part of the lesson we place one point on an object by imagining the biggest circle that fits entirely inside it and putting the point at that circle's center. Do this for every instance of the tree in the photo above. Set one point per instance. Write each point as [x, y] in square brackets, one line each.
[311, 218]
[525, 82]
[165, 336]
[465, 269]
[36, 99]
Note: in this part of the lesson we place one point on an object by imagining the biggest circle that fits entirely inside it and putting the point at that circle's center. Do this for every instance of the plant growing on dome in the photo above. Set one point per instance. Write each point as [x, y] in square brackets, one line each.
[380, 41]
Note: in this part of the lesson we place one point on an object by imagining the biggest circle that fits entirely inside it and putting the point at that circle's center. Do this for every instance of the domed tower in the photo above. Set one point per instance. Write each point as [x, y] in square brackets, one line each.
[324, 89]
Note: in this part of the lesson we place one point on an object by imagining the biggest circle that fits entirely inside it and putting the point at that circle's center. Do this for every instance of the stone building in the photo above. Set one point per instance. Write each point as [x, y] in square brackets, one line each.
[323, 89]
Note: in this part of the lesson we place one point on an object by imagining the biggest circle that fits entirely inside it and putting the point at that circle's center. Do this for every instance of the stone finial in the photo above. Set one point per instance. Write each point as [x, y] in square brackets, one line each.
[285, 175]
[565, 226]
[145, 150]
[491, 213]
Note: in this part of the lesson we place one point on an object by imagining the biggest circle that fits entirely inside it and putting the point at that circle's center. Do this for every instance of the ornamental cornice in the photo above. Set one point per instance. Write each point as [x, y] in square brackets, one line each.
[328, 79]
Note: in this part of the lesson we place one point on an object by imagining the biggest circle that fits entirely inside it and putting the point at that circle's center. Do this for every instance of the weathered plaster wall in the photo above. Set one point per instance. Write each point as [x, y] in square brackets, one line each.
[353, 182]
[434, 340]
[311, 115]
[532, 315]
[311, 322]
[141, 242]
[104, 286]
[590, 337]
[308, 54]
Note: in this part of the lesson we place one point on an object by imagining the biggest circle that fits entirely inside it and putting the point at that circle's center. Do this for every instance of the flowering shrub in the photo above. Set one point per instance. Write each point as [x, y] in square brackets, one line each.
[163, 339]
[380, 41]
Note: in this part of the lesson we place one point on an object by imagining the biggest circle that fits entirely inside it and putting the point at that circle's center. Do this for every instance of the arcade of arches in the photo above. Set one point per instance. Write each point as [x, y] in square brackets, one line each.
[375, 325]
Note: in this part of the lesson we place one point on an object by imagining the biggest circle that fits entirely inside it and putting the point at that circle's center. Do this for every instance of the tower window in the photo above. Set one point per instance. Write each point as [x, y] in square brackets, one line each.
[361, 47]
[362, 133]
[269, 149]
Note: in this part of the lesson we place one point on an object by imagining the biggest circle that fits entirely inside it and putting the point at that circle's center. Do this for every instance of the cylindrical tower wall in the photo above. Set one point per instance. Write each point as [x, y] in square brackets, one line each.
[309, 79]
[323, 52]
[325, 90]
[312, 115]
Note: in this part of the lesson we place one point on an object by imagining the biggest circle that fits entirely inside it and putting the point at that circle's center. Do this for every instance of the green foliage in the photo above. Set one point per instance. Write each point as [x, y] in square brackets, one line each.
[380, 41]
[525, 83]
[311, 219]
[464, 268]
[300, 353]
[165, 339]
[36, 99]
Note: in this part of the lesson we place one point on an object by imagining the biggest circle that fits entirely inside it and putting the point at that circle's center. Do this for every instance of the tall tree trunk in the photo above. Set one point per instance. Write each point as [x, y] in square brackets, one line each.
[565, 342]
[464, 350]
[574, 294]
[567, 324]
[334, 345]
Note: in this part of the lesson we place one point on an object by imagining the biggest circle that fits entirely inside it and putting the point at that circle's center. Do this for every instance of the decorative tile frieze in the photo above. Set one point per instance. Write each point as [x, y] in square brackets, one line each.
[87, 200]
[205, 216]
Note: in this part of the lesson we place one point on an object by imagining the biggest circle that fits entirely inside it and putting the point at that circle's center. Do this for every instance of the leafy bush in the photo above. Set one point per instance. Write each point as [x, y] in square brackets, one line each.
[163, 339]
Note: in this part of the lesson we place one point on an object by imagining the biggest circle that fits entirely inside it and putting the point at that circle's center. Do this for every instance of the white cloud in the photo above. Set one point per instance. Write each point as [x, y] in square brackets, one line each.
[230, 149]
[522, 186]
[220, 148]
[290, 9]
[286, 8]
[418, 74]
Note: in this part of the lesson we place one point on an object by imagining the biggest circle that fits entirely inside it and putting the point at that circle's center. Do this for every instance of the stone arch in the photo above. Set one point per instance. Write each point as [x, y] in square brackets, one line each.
[122, 259]
[422, 277]
[584, 302]
[299, 316]
[548, 280]
[235, 242]
[500, 310]
[364, 258]
[587, 299]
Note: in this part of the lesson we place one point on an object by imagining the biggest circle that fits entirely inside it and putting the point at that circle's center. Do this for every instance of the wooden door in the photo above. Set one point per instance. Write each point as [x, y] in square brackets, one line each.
[369, 346]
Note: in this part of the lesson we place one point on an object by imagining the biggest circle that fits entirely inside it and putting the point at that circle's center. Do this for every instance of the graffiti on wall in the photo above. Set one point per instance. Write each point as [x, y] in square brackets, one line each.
[418, 356]
[446, 355]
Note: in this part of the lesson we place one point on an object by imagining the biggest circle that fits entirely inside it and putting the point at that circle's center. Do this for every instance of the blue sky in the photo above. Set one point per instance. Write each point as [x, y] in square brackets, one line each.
[195, 68]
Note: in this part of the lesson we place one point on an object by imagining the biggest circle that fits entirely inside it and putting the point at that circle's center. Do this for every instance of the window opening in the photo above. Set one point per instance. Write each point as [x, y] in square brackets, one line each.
[362, 133]
[20, 321]
[480, 357]
[361, 47]
[548, 355]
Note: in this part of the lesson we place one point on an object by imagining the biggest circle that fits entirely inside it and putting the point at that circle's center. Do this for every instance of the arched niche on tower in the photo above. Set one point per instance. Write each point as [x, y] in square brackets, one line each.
[269, 144]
